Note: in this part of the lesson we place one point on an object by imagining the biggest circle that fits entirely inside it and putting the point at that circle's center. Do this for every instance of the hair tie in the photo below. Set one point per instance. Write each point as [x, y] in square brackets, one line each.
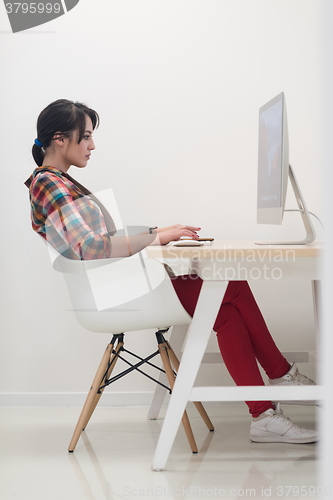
[38, 143]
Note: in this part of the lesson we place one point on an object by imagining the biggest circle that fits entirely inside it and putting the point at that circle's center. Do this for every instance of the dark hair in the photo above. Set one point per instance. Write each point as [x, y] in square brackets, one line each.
[61, 116]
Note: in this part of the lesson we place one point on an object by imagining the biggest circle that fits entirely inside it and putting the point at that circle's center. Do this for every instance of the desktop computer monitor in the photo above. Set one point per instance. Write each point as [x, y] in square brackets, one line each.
[273, 161]
[274, 170]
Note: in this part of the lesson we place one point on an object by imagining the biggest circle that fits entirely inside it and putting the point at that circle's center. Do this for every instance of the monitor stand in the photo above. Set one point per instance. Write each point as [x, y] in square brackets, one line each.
[310, 232]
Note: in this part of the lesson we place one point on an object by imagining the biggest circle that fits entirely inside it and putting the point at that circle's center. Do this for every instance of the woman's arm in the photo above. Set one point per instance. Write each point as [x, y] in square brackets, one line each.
[77, 225]
[66, 228]
[125, 246]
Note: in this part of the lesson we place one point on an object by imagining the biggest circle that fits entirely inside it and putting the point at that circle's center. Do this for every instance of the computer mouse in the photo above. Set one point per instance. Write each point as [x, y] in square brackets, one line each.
[188, 243]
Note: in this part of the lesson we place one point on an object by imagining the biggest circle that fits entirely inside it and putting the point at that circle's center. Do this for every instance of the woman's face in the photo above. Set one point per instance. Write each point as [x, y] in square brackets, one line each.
[79, 154]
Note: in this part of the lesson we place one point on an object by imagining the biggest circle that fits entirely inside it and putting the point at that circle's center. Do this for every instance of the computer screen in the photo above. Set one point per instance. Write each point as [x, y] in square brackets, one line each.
[273, 161]
[274, 170]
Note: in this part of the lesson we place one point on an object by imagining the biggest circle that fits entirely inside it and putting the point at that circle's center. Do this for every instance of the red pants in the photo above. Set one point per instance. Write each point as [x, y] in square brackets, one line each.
[242, 335]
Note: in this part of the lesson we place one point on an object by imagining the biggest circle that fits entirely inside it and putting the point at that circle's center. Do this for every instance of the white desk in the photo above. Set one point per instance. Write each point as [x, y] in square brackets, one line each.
[218, 264]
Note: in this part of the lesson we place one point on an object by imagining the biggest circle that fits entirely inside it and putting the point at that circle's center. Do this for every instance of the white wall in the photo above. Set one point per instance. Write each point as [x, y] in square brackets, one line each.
[326, 347]
[178, 85]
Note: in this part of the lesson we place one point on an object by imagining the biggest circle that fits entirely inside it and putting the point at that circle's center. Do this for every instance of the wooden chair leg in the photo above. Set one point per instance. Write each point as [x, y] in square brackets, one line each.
[113, 361]
[163, 349]
[88, 405]
[199, 406]
[177, 337]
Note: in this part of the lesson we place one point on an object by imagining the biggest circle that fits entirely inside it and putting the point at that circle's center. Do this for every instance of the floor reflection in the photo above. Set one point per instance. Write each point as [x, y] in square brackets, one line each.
[113, 458]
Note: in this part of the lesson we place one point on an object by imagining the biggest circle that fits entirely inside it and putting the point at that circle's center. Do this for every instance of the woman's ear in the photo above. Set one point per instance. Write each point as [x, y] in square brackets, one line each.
[59, 139]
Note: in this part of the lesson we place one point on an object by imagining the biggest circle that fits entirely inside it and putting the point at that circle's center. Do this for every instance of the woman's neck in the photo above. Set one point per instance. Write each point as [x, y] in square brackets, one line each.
[51, 160]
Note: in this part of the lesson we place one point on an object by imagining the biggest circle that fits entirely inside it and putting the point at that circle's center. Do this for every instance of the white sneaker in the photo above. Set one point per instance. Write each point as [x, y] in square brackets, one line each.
[272, 426]
[293, 377]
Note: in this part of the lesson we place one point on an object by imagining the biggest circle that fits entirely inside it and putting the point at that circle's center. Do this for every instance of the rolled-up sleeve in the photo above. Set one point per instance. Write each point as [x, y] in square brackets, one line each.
[72, 226]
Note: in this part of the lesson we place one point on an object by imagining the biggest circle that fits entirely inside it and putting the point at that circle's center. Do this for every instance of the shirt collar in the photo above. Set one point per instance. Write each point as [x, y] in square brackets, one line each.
[43, 168]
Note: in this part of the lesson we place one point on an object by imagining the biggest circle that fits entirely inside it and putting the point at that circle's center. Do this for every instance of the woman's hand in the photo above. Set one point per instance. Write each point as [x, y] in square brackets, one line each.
[174, 233]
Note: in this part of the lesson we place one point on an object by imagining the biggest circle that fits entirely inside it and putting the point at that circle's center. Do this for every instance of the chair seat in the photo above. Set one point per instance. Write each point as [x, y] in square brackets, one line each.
[118, 295]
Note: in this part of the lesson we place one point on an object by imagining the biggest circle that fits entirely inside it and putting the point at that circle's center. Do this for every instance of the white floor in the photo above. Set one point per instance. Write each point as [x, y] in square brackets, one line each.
[113, 457]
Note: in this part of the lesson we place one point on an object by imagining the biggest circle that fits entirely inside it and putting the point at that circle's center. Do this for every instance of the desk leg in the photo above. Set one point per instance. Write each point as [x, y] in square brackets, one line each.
[317, 304]
[211, 296]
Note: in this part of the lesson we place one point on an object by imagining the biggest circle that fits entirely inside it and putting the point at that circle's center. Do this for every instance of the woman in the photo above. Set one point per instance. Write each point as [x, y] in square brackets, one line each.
[76, 223]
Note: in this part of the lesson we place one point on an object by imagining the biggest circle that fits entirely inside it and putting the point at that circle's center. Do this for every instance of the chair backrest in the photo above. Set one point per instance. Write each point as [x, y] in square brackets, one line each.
[119, 295]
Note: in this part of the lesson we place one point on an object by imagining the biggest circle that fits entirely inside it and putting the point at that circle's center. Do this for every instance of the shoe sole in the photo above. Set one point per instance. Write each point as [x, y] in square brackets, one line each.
[280, 439]
[300, 402]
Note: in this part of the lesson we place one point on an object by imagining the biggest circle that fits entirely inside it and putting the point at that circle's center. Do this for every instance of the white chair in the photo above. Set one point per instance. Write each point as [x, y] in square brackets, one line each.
[121, 295]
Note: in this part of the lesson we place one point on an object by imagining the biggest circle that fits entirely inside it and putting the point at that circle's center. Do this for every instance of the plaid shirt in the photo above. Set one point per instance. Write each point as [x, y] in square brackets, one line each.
[68, 219]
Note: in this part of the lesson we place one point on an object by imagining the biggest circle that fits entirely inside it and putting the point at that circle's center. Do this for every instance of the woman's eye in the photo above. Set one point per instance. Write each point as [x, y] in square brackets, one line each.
[86, 137]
